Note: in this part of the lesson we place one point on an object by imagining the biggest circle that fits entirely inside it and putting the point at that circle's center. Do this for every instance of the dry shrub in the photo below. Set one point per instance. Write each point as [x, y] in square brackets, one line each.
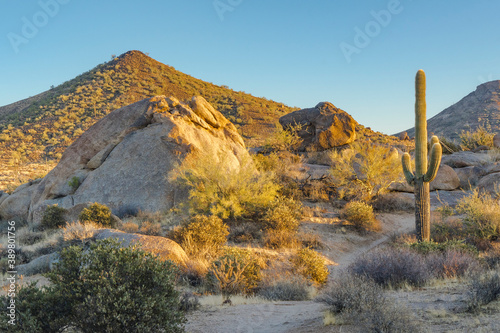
[189, 301]
[393, 268]
[237, 271]
[481, 214]
[203, 236]
[450, 228]
[311, 265]
[80, 231]
[361, 215]
[245, 231]
[361, 302]
[393, 202]
[452, 264]
[281, 222]
[195, 271]
[130, 227]
[482, 136]
[150, 228]
[287, 288]
[310, 240]
[484, 288]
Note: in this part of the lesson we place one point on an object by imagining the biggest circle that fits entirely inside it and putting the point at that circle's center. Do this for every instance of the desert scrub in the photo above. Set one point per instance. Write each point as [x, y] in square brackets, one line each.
[103, 288]
[481, 214]
[484, 288]
[80, 231]
[97, 213]
[311, 265]
[281, 223]
[53, 217]
[150, 228]
[237, 271]
[393, 268]
[482, 136]
[287, 288]
[361, 215]
[364, 170]
[217, 187]
[361, 302]
[202, 236]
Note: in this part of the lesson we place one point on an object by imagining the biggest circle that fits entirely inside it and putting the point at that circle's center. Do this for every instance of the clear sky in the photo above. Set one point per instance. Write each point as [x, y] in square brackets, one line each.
[360, 55]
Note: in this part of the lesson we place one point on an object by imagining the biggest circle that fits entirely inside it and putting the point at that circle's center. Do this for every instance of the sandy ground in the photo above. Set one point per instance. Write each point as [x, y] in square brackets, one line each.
[277, 317]
[440, 306]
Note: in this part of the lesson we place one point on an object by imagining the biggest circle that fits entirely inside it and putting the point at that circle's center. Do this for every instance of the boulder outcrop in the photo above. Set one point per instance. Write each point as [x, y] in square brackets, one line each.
[322, 127]
[124, 159]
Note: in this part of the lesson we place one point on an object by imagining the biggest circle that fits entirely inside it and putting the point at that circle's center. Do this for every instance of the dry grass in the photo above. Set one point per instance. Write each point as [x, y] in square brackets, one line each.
[80, 231]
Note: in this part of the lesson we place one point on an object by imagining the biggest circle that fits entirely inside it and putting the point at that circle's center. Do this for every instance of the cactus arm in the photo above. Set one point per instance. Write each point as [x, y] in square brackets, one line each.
[434, 140]
[410, 177]
[435, 161]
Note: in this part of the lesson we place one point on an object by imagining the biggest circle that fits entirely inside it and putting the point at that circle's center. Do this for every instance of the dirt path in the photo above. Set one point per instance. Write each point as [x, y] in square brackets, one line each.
[298, 317]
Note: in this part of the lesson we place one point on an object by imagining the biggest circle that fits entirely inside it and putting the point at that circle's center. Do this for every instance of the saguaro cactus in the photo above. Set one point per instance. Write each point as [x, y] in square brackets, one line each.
[424, 173]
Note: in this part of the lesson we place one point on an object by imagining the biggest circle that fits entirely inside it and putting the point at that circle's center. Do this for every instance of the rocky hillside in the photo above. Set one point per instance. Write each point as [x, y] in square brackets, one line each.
[479, 108]
[44, 125]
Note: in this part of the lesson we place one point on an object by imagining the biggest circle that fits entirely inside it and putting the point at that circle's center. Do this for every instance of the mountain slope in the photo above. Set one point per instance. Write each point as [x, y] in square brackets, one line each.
[479, 108]
[44, 125]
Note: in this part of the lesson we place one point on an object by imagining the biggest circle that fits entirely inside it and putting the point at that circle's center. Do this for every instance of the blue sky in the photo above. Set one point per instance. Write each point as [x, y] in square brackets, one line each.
[360, 55]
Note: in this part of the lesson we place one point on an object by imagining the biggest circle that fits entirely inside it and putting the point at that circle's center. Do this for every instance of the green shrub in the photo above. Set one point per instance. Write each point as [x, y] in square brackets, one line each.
[53, 217]
[105, 288]
[361, 215]
[216, 187]
[481, 214]
[203, 236]
[236, 271]
[74, 183]
[97, 213]
[310, 265]
[365, 170]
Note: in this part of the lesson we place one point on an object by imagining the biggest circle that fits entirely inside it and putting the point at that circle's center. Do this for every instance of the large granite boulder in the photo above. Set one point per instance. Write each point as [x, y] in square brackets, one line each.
[322, 127]
[124, 159]
[16, 206]
[464, 159]
[446, 179]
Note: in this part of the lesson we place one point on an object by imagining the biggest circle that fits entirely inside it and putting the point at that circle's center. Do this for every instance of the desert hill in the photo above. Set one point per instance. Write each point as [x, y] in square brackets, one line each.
[44, 125]
[479, 108]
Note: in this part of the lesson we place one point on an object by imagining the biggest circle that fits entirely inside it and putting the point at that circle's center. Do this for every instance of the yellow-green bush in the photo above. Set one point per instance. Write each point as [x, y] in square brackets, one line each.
[281, 223]
[365, 170]
[218, 188]
[311, 265]
[481, 214]
[361, 215]
[482, 136]
[236, 271]
[203, 236]
[97, 213]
